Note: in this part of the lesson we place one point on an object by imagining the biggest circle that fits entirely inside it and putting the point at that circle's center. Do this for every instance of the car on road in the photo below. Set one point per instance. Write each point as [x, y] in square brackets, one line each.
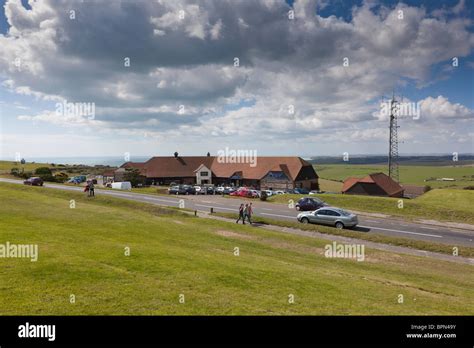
[309, 203]
[34, 181]
[330, 216]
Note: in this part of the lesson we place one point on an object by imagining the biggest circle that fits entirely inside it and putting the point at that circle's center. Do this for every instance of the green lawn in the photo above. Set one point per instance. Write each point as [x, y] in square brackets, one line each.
[442, 205]
[81, 252]
[414, 175]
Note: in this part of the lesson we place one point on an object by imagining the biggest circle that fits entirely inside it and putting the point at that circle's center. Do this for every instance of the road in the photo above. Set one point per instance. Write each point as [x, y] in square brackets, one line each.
[389, 227]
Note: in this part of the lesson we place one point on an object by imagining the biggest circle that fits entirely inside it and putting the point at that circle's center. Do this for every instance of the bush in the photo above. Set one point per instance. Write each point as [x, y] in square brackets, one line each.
[469, 188]
[427, 188]
[43, 171]
[15, 171]
[25, 175]
[263, 196]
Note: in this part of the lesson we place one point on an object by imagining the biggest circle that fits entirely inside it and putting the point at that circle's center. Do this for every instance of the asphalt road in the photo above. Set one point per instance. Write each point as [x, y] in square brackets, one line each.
[390, 227]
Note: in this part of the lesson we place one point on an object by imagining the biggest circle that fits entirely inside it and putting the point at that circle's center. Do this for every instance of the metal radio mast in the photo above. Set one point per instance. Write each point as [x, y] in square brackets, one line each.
[393, 142]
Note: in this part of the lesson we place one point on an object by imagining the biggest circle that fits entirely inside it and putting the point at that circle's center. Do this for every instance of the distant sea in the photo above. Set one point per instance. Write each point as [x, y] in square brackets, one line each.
[91, 161]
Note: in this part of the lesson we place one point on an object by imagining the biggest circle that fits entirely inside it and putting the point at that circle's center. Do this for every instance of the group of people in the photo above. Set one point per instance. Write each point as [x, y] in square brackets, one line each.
[245, 212]
[89, 188]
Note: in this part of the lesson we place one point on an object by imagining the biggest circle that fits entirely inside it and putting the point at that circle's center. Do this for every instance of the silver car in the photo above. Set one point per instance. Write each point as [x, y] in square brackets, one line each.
[337, 217]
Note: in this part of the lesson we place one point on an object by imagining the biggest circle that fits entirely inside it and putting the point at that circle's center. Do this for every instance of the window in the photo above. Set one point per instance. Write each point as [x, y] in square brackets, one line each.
[334, 213]
[204, 174]
[323, 212]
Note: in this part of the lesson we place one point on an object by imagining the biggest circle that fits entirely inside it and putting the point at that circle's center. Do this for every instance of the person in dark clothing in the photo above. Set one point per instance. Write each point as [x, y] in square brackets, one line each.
[241, 214]
[91, 189]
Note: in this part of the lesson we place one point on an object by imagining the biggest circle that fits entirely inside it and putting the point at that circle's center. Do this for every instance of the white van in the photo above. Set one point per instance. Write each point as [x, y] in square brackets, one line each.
[124, 185]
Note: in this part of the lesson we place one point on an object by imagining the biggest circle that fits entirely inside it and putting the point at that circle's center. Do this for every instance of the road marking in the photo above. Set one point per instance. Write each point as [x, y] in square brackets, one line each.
[266, 209]
[430, 228]
[388, 229]
[210, 206]
[285, 216]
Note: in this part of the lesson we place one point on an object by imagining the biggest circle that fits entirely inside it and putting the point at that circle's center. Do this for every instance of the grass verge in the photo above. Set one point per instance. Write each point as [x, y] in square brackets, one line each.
[373, 237]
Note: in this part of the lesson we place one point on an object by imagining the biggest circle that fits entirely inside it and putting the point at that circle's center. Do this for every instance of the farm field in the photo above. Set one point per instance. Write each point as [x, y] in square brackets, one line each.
[409, 174]
[81, 252]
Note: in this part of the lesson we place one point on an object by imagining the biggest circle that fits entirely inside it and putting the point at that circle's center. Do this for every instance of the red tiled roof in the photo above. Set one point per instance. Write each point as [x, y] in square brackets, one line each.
[348, 183]
[138, 165]
[382, 180]
[289, 165]
[162, 167]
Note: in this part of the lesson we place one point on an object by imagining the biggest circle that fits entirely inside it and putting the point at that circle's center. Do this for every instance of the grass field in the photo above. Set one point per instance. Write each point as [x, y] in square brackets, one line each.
[414, 175]
[81, 252]
[6, 166]
[442, 205]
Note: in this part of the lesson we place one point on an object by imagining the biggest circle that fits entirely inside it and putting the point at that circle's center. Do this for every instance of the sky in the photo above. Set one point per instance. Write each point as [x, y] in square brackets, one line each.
[305, 78]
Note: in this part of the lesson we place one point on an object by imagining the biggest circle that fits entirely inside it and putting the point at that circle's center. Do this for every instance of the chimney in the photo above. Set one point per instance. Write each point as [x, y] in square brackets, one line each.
[208, 154]
[176, 154]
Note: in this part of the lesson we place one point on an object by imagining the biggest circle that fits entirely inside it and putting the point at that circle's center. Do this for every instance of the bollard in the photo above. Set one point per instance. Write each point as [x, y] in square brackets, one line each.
[195, 213]
[212, 210]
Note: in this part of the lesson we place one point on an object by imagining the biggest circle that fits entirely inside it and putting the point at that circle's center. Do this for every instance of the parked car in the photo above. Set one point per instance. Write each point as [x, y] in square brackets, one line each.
[34, 181]
[309, 203]
[189, 190]
[176, 190]
[220, 189]
[279, 192]
[199, 190]
[210, 190]
[269, 192]
[122, 185]
[331, 216]
[255, 193]
[245, 192]
[301, 191]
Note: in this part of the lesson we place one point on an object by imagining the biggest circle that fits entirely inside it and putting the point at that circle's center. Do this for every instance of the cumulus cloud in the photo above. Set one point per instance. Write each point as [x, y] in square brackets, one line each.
[183, 54]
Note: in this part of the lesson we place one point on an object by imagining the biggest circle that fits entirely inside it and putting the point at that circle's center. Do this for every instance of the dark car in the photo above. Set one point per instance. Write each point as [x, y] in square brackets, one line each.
[210, 190]
[34, 181]
[309, 203]
[189, 190]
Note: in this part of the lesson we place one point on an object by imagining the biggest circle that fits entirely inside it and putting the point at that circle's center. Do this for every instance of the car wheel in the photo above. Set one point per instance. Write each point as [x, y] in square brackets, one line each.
[339, 225]
[305, 220]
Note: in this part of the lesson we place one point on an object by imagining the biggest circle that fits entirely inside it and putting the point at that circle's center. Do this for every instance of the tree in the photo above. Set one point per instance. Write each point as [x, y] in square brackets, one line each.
[45, 174]
[133, 175]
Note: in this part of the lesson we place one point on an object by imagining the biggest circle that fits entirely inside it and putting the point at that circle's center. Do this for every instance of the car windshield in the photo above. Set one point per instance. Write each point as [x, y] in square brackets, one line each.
[343, 212]
[316, 200]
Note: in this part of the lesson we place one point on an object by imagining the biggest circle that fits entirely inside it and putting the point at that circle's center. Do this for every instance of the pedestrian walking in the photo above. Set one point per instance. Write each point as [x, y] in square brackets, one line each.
[241, 214]
[249, 213]
[91, 189]
[246, 211]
